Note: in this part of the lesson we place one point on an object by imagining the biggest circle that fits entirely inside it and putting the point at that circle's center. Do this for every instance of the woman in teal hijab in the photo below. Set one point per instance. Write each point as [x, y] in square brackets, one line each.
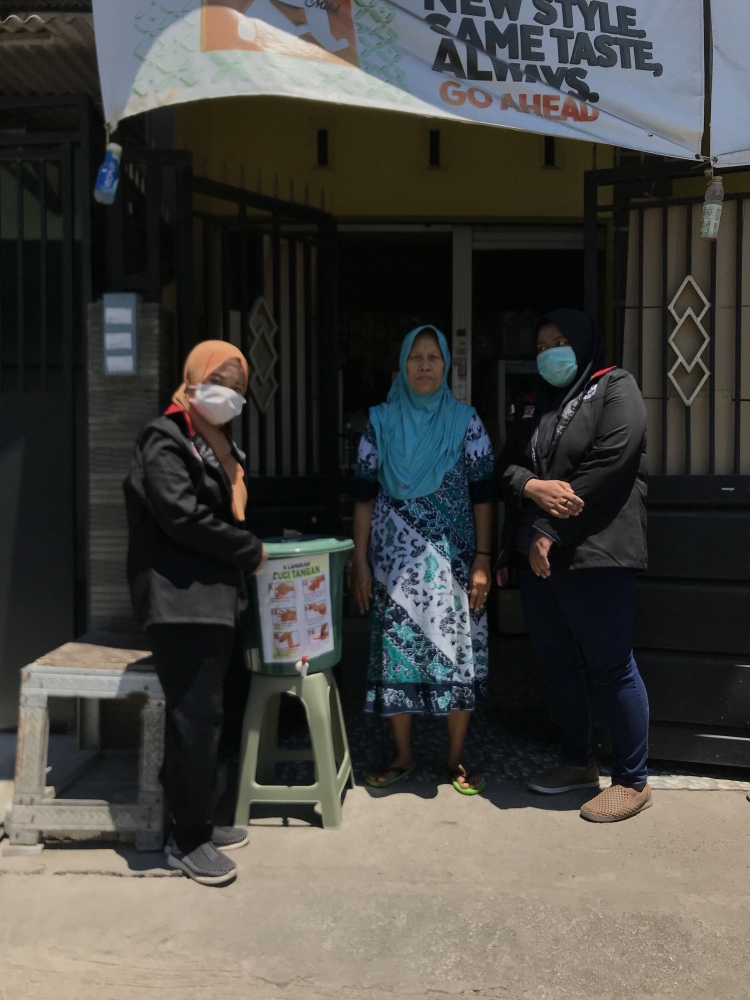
[423, 498]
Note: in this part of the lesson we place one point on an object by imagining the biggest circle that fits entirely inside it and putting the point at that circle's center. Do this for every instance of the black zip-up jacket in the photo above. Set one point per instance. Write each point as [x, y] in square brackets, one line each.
[187, 552]
[600, 449]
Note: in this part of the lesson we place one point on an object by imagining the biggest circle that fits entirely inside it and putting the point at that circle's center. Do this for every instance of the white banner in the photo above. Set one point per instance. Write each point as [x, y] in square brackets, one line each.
[588, 69]
[730, 91]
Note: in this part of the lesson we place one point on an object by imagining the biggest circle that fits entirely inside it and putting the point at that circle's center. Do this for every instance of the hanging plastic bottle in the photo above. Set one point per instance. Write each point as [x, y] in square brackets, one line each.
[105, 190]
[712, 208]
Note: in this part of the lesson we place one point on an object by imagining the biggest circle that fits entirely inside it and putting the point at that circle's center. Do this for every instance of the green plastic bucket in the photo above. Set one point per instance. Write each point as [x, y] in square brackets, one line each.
[296, 606]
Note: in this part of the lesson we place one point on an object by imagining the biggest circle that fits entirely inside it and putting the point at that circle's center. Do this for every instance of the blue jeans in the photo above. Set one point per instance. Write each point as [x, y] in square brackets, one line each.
[581, 622]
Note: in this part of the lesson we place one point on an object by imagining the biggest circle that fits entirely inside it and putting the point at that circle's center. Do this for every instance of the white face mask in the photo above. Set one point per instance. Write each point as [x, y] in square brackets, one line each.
[216, 403]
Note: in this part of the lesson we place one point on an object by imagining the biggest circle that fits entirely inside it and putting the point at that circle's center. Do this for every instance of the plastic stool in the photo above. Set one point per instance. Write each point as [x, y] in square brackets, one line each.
[260, 751]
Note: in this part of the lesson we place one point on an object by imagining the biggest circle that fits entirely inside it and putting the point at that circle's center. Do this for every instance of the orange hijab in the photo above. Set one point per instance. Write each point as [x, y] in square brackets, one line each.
[204, 359]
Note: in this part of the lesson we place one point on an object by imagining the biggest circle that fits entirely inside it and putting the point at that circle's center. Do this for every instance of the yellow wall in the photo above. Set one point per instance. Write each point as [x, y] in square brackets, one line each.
[696, 187]
[379, 161]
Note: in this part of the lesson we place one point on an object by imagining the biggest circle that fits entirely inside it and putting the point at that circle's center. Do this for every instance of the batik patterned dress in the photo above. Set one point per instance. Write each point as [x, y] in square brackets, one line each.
[428, 650]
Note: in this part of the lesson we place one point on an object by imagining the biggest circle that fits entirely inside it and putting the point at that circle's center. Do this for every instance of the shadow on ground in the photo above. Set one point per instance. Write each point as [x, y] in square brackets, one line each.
[493, 748]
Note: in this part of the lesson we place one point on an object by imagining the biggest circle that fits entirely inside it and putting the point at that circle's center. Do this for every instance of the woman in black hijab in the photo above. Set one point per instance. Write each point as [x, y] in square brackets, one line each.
[573, 475]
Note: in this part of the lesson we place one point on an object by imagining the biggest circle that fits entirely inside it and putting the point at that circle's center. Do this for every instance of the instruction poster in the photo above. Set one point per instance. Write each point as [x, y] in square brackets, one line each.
[295, 608]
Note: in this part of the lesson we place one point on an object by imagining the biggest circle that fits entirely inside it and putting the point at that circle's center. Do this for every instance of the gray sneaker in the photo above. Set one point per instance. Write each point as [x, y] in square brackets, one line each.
[564, 778]
[205, 865]
[229, 838]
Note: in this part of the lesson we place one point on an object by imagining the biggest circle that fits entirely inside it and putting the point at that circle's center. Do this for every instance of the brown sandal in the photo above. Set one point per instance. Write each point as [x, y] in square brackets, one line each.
[399, 773]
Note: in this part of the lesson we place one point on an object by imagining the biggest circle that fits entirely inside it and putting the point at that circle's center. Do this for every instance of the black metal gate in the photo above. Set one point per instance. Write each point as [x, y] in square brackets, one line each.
[260, 272]
[45, 283]
[675, 308]
[266, 282]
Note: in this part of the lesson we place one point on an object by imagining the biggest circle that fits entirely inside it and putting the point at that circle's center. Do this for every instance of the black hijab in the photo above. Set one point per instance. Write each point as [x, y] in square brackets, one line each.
[580, 331]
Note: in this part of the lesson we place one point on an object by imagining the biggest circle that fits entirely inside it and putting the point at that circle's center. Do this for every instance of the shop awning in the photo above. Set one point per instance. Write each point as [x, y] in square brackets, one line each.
[730, 95]
[627, 75]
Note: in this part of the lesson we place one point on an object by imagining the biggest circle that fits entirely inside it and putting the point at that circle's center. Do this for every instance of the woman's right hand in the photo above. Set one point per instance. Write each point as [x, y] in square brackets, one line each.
[554, 496]
[262, 563]
[362, 584]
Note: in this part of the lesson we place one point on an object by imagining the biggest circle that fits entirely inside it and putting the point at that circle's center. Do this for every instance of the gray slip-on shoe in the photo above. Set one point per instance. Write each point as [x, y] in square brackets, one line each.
[229, 838]
[205, 865]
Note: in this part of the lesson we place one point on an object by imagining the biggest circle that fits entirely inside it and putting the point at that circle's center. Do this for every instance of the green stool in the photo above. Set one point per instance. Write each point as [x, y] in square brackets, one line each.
[260, 750]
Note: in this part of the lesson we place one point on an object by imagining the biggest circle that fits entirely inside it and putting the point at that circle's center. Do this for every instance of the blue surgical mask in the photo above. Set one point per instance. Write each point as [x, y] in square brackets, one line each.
[558, 366]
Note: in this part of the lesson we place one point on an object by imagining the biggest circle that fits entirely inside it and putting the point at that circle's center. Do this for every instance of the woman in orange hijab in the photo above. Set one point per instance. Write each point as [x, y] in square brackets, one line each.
[189, 551]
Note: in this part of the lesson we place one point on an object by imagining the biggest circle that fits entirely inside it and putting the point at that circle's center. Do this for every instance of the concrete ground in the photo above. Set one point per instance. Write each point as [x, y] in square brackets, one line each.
[509, 895]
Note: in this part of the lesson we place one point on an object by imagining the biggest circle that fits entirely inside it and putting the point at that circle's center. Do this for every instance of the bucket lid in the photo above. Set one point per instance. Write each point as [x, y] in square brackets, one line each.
[305, 545]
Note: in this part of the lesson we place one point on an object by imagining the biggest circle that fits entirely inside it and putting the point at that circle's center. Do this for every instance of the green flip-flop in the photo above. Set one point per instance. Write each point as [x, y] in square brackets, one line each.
[451, 776]
[401, 773]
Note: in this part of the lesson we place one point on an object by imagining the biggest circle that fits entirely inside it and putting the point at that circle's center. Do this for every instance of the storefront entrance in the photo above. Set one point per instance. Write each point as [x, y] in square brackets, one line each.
[321, 316]
[487, 292]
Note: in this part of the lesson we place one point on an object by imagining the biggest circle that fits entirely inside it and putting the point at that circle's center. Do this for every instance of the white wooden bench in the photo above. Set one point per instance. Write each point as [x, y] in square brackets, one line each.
[99, 665]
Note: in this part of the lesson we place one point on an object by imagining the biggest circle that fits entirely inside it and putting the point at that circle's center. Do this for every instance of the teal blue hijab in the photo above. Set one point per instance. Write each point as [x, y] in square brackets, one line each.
[419, 436]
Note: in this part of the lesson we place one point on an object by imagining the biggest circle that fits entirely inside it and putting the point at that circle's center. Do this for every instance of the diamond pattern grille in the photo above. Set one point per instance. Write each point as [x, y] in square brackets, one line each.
[688, 376]
[262, 355]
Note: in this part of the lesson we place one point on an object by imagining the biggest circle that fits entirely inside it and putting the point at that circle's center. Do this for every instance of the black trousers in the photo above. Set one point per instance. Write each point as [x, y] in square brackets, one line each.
[192, 662]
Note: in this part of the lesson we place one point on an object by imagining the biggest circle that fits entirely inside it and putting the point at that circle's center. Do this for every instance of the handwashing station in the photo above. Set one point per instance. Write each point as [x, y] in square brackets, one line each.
[293, 642]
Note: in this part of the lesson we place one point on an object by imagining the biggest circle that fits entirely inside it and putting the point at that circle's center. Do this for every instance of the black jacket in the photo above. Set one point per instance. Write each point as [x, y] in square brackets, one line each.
[600, 450]
[187, 552]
